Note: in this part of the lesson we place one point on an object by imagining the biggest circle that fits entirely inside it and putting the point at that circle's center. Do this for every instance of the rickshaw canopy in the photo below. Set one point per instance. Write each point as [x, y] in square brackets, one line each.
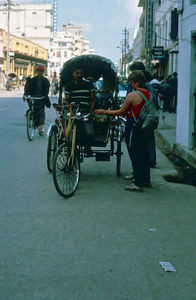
[93, 66]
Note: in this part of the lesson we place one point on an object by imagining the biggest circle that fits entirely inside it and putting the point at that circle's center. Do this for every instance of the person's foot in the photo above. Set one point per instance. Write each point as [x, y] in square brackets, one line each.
[26, 113]
[41, 133]
[129, 177]
[134, 188]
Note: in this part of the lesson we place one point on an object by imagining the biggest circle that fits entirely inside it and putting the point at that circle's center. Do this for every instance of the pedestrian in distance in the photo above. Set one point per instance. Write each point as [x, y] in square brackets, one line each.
[169, 104]
[39, 86]
[175, 91]
[135, 139]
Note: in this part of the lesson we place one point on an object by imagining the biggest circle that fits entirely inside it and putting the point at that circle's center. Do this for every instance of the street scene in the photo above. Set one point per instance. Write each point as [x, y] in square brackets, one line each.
[98, 150]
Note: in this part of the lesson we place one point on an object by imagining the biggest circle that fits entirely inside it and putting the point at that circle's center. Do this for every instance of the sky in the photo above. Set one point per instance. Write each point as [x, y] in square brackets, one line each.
[102, 21]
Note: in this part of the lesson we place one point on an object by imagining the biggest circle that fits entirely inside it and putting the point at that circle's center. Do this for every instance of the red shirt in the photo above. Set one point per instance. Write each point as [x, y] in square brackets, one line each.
[137, 107]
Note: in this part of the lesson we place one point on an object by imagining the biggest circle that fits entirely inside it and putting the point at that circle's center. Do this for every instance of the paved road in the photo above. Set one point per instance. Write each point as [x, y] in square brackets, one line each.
[103, 243]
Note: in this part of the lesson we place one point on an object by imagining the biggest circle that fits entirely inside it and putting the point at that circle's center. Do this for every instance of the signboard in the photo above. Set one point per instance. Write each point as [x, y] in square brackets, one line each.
[158, 52]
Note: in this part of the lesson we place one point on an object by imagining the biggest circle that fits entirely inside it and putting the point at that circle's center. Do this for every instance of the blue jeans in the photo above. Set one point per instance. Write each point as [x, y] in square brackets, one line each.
[138, 153]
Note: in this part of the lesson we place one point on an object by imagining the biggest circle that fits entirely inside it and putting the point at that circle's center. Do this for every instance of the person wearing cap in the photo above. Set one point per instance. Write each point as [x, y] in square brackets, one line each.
[39, 87]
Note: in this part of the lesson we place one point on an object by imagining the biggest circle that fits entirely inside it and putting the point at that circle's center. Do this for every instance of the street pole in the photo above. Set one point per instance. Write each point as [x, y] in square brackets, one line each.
[149, 33]
[8, 37]
[125, 52]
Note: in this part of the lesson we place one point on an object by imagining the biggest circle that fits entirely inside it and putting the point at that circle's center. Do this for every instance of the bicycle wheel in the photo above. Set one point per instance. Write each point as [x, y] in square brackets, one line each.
[118, 158]
[52, 147]
[30, 125]
[66, 170]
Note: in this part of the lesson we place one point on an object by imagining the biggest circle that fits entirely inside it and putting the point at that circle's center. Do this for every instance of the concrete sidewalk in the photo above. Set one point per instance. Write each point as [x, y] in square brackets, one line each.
[166, 139]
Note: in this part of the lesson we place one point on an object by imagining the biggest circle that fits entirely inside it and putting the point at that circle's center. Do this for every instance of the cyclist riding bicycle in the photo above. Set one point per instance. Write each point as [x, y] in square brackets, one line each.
[39, 87]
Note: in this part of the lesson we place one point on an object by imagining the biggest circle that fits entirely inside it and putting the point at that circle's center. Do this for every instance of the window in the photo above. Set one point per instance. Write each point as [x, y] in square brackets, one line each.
[34, 13]
[62, 44]
[58, 54]
[65, 53]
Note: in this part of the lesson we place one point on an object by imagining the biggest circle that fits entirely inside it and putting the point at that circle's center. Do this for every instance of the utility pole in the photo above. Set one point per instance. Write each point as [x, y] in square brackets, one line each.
[149, 33]
[54, 21]
[125, 48]
[8, 36]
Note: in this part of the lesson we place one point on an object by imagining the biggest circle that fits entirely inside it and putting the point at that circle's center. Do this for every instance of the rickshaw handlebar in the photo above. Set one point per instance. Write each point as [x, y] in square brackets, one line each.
[34, 98]
[77, 114]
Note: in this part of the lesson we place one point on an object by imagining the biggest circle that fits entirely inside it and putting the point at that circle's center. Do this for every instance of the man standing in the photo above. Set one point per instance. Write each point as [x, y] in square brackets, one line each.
[39, 87]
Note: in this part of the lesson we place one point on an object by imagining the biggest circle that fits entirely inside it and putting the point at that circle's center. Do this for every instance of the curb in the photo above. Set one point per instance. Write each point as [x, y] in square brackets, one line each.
[179, 150]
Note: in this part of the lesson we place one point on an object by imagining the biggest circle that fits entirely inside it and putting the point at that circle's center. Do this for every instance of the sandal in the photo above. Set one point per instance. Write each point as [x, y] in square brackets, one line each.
[134, 188]
[41, 133]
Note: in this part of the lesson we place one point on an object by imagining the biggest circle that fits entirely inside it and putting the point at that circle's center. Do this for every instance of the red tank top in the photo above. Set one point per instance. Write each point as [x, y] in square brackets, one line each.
[137, 107]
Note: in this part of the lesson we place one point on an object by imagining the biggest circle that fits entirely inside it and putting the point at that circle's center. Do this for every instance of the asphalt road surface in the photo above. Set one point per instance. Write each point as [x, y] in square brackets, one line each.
[102, 243]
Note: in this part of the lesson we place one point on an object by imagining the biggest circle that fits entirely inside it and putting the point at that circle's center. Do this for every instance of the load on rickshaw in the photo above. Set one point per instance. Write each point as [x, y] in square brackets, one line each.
[73, 131]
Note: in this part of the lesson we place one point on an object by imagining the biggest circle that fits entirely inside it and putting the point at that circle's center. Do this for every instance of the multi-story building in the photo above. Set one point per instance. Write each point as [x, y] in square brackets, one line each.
[166, 22]
[156, 23]
[24, 55]
[31, 21]
[68, 43]
[186, 107]
[174, 29]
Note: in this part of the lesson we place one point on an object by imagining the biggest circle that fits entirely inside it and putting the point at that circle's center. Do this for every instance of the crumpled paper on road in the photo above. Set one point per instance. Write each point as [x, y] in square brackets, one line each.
[167, 266]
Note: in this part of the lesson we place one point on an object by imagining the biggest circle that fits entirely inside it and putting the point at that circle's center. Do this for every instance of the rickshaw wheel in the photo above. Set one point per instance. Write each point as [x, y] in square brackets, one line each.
[118, 158]
[52, 147]
[66, 170]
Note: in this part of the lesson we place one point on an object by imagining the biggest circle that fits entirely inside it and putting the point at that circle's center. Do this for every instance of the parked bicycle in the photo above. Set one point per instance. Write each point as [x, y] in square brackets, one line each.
[32, 115]
[57, 133]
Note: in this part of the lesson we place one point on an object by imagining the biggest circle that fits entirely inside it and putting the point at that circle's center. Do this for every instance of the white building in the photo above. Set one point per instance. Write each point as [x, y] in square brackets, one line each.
[186, 108]
[67, 43]
[137, 45]
[31, 21]
[162, 29]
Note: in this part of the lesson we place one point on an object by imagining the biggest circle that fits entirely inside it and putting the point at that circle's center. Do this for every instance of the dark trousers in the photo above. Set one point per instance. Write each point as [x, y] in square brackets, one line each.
[136, 143]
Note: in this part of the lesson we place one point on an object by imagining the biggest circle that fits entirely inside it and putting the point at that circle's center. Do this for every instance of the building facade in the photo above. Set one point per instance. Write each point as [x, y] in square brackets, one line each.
[30, 21]
[156, 24]
[68, 43]
[186, 109]
[24, 55]
[166, 22]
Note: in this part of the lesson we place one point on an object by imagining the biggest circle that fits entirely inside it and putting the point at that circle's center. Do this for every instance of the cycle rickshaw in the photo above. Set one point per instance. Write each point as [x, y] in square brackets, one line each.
[72, 131]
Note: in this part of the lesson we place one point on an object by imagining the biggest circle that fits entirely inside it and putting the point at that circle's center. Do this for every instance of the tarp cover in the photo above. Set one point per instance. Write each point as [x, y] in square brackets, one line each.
[93, 66]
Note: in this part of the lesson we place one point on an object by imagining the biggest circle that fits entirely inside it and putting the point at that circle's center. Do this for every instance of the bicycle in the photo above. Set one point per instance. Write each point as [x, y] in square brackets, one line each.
[32, 115]
[56, 134]
[65, 155]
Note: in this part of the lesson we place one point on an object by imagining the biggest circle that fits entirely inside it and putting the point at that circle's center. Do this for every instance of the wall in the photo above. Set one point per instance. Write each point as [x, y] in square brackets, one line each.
[186, 100]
